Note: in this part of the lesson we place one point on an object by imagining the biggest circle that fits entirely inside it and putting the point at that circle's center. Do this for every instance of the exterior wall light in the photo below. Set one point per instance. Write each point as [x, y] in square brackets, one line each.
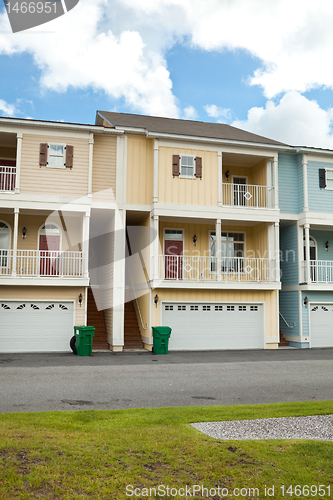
[24, 232]
[156, 300]
[327, 245]
[80, 299]
[195, 239]
[227, 174]
[305, 301]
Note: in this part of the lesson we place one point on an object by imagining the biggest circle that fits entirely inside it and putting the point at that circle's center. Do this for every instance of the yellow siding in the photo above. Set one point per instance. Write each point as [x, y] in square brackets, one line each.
[143, 302]
[259, 174]
[104, 163]
[255, 238]
[188, 191]
[140, 170]
[58, 181]
[47, 292]
[269, 297]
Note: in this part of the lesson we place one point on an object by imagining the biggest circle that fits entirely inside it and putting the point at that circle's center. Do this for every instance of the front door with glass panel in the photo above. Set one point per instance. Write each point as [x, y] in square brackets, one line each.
[232, 252]
[240, 190]
[4, 246]
[173, 254]
[313, 258]
[49, 250]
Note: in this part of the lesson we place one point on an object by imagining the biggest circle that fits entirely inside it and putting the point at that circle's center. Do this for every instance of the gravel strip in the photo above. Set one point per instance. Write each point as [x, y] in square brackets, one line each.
[315, 427]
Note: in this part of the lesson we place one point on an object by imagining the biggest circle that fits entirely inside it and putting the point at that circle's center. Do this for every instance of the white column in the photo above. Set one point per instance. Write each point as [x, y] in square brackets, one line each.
[271, 250]
[276, 183]
[19, 138]
[218, 248]
[305, 183]
[300, 255]
[269, 195]
[307, 253]
[277, 250]
[91, 157]
[155, 185]
[220, 179]
[15, 238]
[156, 247]
[119, 280]
[121, 169]
[85, 243]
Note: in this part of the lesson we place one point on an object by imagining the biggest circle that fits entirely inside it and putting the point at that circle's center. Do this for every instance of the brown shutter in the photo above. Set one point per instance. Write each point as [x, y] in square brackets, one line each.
[198, 167]
[69, 156]
[175, 165]
[42, 155]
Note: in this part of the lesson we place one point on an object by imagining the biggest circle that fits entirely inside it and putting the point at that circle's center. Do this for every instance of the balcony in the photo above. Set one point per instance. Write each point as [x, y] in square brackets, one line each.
[247, 195]
[321, 271]
[7, 179]
[203, 269]
[42, 264]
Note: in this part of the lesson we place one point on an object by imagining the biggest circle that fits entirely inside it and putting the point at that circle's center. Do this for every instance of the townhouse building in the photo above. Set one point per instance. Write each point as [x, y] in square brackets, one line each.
[140, 221]
[306, 205]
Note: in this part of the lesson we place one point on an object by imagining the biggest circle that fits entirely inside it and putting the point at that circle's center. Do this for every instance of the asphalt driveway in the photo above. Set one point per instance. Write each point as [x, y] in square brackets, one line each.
[42, 382]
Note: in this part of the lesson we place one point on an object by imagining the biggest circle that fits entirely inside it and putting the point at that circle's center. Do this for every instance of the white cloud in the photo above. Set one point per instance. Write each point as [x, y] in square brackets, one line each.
[221, 114]
[190, 113]
[294, 120]
[7, 109]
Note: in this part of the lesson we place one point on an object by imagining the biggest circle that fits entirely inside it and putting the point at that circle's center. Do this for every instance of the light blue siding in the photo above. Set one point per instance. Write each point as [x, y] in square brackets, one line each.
[320, 200]
[289, 255]
[321, 237]
[312, 297]
[289, 308]
[290, 183]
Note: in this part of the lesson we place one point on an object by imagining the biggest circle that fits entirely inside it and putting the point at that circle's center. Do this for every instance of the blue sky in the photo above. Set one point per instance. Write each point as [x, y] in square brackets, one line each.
[242, 63]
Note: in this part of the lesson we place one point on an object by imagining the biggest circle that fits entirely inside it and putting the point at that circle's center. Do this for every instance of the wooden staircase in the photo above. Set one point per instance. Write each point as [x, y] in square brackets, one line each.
[283, 342]
[96, 319]
[132, 336]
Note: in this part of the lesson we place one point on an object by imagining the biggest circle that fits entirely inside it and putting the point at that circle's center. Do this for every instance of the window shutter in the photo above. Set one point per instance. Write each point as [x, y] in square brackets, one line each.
[43, 155]
[198, 167]
[175, 165]
[322, 178]
[69, 156]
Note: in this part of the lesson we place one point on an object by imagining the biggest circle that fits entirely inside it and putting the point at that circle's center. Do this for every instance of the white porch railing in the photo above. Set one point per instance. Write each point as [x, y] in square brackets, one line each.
[7, 179]
[247, 195]
[5, 262]
[41, 263]
[200, 268]
[321, 271]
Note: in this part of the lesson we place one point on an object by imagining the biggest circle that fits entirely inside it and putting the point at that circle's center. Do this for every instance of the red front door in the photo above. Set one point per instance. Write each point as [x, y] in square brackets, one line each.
[49, 247]
[173, 251]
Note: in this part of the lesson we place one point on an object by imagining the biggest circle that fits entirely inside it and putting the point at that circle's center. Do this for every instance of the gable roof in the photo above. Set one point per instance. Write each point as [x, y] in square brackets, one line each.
[155, 124]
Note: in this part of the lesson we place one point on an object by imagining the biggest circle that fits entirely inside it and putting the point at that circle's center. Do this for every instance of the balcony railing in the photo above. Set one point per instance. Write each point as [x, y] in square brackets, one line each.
[247, 195]
[200, 268]
[7, 179]
[42, 263]
[321, 271]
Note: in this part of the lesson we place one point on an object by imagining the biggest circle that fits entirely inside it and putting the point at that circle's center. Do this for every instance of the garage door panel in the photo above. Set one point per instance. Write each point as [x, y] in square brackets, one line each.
[35, 326]
[321, 320]
[199, 326]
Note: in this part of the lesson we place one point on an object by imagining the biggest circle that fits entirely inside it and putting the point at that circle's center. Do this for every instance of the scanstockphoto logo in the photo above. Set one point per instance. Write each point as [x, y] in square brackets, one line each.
[25, 14]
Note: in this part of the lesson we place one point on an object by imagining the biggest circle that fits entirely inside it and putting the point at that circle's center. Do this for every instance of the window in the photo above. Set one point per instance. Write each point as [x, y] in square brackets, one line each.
[206, 308]
[232, 252]
[187, 166]
[4, 244]
[173, 234]
[253, 308]
[56, 155]
[329, 178]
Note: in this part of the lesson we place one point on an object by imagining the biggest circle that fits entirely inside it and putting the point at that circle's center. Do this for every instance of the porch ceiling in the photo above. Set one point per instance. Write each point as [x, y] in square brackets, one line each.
[240, 160]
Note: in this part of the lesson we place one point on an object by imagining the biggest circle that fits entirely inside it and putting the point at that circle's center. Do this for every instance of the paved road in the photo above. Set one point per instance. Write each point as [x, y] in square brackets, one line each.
[42, 382]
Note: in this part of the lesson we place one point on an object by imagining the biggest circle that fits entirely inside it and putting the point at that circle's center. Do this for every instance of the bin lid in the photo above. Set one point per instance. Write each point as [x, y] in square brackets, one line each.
[84, 329]
[162, 330]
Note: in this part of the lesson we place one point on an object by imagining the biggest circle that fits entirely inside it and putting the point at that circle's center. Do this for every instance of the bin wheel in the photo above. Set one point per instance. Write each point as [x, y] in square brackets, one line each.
[152, 350]
[72, 344]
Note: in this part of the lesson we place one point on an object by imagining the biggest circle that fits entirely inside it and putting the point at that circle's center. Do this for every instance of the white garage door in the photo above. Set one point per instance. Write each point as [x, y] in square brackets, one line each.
[35, 326]
[205, 326]
[321, 324]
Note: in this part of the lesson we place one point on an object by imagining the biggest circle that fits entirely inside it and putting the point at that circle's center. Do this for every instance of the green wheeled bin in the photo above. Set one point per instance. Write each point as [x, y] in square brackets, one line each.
[161, 335]
[84, 339]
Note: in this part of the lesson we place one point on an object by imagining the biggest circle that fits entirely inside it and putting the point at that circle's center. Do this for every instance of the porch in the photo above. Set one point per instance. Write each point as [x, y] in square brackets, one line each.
[316, 265]
[9, 145]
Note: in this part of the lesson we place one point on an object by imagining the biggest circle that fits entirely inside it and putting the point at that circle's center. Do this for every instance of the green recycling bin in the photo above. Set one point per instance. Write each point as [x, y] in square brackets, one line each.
[84, 339]
[161, 335]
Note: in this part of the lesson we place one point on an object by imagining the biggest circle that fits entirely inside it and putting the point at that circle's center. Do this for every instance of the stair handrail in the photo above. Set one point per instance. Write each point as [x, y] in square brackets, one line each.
[136, 301]
[289, 326]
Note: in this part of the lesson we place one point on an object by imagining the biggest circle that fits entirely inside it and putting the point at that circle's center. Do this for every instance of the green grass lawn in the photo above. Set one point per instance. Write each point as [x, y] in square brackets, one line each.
[96, 454]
